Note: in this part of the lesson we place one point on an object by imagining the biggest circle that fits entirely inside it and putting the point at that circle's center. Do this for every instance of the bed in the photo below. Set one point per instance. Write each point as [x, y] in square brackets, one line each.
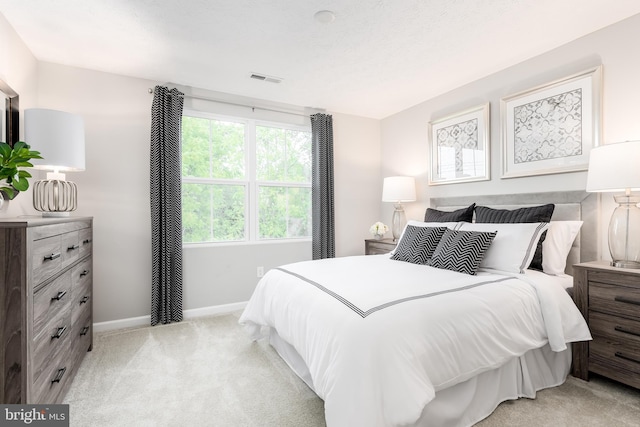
[385, 341]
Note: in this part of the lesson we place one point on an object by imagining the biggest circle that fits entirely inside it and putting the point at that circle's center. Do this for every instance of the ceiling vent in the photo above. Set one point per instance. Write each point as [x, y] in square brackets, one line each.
[270, 79]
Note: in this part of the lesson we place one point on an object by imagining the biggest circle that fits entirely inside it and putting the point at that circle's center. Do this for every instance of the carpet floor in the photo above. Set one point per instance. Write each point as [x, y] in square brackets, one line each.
[206, 372]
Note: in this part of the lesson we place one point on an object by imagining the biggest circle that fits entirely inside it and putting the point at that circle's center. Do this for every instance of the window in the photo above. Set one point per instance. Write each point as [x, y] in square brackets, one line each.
[244, 180]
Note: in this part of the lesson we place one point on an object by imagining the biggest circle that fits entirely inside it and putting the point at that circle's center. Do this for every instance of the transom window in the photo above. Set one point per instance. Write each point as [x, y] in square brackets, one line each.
[244, 180]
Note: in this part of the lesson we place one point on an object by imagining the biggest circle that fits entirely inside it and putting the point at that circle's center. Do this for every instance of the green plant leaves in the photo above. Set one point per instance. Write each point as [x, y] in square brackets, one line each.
[12, 158]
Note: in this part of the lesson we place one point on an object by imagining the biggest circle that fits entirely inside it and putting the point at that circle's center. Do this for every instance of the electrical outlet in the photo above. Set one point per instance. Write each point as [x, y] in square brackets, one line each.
[260, 271]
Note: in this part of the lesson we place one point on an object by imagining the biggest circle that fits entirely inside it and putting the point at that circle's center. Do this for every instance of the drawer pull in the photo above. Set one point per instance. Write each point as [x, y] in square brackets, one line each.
[59, 333]
[84, 331]
[73, 247]
[52, 257]
[626, 331]
[84, 299]
[627, 300]
[59, 375]
[86, 241]
[622, 356]
[59, 296]
[84, 273]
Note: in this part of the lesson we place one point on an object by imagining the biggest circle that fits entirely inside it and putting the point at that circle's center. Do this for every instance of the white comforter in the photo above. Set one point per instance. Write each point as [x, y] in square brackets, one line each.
[380, 337]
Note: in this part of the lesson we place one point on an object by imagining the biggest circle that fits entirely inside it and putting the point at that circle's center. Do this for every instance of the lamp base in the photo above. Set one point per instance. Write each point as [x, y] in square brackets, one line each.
[398, 221]
[54, 197]
[624, 228]
[55, 214]
[625, 264]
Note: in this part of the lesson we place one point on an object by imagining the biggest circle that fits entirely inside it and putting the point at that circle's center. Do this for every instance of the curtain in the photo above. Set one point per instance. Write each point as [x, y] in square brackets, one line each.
[166, 206]
[323, 221]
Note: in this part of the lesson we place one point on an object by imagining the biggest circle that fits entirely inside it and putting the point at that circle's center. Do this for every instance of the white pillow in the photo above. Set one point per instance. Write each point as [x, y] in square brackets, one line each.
[451, 225]
[513, 247]
[557, 244]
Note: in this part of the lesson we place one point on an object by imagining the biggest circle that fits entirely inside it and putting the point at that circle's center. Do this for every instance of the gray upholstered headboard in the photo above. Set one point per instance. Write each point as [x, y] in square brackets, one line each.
[570, 205]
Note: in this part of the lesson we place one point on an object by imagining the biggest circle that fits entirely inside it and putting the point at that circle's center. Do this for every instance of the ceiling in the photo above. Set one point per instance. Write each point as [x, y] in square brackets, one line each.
[376, 58]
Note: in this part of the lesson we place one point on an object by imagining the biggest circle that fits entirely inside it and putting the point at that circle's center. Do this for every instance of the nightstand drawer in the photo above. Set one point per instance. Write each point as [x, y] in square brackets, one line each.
[607, 355]
[614, 299]
[616, 329]
[381, 246]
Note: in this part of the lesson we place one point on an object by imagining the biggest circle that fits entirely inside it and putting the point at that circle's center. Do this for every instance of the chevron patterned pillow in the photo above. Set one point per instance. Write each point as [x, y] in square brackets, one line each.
[418, 243]
[461, 251]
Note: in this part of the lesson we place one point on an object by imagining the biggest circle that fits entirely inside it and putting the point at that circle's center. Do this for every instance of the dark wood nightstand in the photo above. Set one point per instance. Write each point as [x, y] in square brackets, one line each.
[378, 246]
[609, 299]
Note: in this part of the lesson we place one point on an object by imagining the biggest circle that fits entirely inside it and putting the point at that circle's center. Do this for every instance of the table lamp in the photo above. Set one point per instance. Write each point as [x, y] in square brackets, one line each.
[398, 189]
[59, 136]
[616, 168]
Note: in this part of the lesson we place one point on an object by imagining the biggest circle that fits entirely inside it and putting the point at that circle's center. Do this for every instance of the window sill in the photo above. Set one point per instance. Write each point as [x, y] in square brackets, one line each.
[245, 243]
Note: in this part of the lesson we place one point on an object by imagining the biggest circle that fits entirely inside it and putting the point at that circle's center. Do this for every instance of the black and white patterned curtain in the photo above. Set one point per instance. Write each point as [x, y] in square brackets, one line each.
[166, 206]
[323, 228]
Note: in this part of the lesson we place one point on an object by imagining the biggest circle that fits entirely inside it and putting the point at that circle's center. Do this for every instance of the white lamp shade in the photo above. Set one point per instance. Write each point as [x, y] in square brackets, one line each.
[399, 189]
[614, 167]
[58, 136]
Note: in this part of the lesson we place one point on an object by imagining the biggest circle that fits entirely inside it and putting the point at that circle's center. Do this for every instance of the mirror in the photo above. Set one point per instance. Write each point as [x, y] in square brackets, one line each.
[10, 115]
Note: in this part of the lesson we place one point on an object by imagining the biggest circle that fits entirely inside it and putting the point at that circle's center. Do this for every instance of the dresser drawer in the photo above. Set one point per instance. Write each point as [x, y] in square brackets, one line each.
[54, 339]
[82, 336]
[54, 378]
[50, 301]
[81, 303]
[614, 299]
[70, 247]
[86, 241]
[46, 259]
[81, 275]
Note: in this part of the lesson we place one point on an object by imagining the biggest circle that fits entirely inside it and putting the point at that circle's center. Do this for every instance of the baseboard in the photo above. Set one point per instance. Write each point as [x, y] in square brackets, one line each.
[136, 322]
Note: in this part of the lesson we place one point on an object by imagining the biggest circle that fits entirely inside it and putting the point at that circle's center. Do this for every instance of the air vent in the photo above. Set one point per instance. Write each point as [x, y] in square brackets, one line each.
[270, 79]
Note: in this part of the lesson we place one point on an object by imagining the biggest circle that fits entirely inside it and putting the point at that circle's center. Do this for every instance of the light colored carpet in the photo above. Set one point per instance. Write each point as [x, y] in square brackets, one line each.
[206, 372]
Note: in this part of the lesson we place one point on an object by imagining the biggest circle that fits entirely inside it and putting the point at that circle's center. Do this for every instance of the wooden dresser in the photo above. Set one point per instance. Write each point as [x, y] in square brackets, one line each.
[609, 299]
[46, 302]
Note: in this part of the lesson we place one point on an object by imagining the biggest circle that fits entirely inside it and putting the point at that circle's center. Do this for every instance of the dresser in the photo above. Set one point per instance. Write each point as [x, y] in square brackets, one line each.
[609, 299]
[378, 246]
[46, 305]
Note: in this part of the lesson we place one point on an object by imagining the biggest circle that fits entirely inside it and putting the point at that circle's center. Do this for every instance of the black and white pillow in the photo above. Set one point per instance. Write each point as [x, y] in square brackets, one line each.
[513, 248]
[461, 251]
[418, 243]
[531, 214]
[464, 214]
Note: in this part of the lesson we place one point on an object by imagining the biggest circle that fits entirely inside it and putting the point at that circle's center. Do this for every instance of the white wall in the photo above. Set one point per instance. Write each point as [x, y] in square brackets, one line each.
[358, 187]
[18, 68]
[404, 135]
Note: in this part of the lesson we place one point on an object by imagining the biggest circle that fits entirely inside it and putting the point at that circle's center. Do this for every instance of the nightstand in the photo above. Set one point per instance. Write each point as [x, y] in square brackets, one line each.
[609, 299]
[378, 246]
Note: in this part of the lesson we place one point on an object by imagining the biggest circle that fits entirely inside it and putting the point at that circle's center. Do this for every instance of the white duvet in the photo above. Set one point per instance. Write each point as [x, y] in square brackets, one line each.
[380, 337]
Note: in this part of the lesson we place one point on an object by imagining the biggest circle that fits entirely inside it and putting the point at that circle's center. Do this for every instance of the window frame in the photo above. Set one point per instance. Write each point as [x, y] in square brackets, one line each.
[249, 181]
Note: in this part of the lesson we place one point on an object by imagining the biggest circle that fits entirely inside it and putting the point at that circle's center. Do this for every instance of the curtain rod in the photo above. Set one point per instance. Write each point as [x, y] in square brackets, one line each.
[253, 108]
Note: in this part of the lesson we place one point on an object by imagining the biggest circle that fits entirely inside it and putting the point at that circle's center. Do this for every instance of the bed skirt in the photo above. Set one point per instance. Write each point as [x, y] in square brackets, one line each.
[466, 403]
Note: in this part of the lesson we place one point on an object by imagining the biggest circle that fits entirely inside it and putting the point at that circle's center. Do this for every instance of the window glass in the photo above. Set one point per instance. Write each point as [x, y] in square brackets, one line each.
[224, 200]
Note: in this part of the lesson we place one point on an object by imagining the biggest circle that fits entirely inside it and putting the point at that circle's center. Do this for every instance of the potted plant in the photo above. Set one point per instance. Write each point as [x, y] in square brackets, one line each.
[12, 159]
